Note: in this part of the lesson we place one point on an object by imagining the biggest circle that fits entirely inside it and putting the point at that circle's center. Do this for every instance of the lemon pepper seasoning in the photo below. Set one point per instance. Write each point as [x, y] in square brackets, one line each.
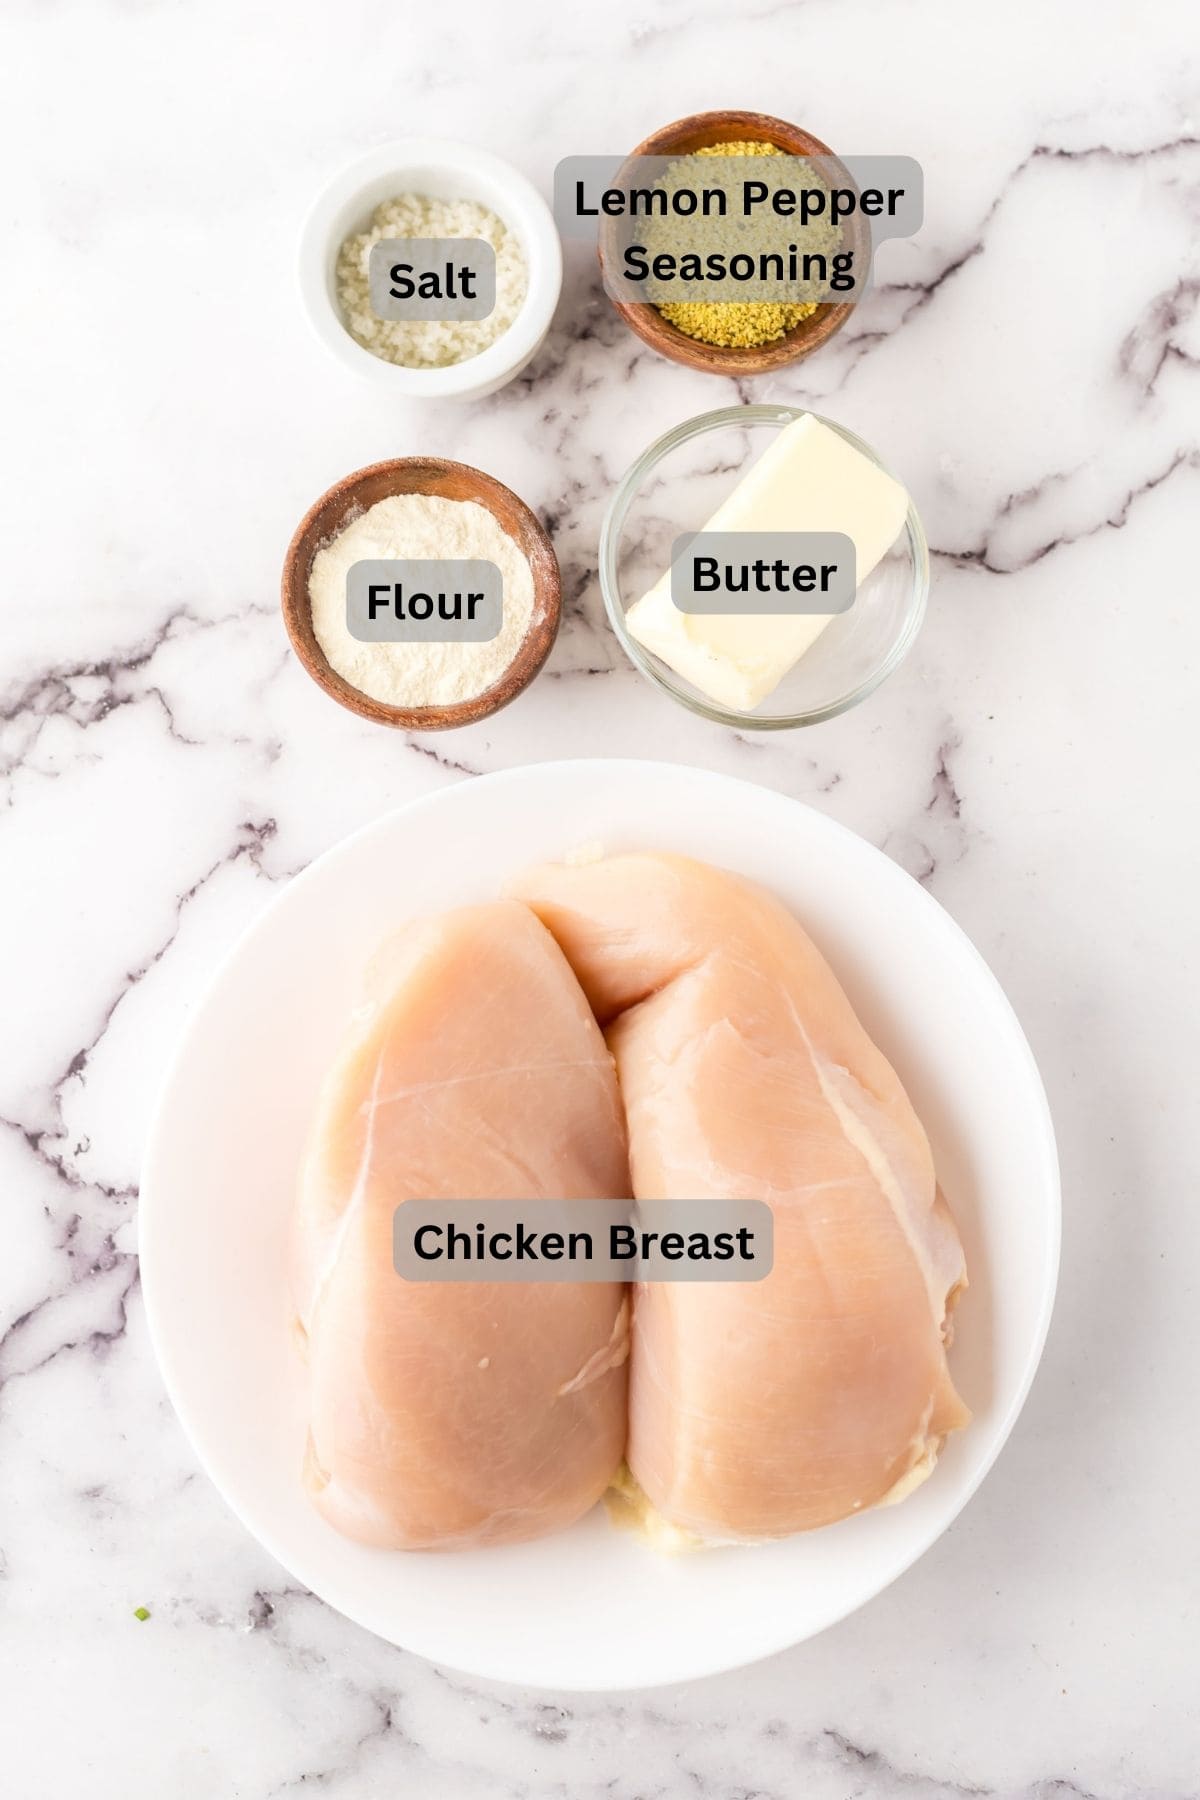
[741, 323]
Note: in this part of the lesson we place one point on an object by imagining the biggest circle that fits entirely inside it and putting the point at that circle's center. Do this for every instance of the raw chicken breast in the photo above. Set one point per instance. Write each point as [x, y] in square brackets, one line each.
[454, 1414]
[761, 1409]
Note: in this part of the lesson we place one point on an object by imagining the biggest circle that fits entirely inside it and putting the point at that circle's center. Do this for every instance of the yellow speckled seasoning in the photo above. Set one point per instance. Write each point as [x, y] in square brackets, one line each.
[738, 324]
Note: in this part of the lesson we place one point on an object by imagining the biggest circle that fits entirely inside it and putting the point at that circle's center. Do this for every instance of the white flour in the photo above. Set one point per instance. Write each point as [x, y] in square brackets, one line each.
[420, 526]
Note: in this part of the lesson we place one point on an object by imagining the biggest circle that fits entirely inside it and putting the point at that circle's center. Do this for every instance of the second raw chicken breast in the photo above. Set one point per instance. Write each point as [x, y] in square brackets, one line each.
[761, 1409]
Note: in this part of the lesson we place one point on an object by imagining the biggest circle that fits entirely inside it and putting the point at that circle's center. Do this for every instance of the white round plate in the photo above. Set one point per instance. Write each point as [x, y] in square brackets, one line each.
[591, 1608]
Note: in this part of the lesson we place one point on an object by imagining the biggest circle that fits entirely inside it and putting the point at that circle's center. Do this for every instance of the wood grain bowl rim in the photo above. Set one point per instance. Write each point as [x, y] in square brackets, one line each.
[340, 504]
[697, 131]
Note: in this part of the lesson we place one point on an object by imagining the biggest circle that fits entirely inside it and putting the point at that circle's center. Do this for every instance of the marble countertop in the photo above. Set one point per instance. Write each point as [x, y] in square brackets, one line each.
[1029, 363]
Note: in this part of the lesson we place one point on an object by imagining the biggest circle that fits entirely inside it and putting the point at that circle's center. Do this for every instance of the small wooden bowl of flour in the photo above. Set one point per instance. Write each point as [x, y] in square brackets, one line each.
[420, 507]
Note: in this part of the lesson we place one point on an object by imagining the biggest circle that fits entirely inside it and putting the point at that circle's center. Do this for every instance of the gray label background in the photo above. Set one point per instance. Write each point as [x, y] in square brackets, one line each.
[469, 575]
[595, 1217]
[426, 255]
[761, 232]
[738, 547]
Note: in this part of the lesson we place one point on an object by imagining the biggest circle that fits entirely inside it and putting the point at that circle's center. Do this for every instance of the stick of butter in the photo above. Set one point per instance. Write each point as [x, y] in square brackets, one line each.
[809, 479]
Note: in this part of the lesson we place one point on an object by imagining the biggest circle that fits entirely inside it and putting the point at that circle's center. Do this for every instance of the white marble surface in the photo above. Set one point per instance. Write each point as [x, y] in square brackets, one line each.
[1030, 364]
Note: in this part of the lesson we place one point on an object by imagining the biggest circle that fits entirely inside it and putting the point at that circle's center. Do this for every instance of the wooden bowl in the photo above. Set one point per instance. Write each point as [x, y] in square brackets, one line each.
[451, 481]
[699, 132]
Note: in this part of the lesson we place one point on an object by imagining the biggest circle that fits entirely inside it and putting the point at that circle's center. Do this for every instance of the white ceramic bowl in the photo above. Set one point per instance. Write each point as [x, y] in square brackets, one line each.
[446, 171]
[593, 1607]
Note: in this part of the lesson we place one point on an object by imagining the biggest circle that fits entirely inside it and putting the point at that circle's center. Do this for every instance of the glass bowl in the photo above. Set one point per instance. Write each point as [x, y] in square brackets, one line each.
[675, 487]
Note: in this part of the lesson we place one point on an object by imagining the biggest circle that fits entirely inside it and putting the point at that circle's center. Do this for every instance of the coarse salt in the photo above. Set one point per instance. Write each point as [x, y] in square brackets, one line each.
[429, 343]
